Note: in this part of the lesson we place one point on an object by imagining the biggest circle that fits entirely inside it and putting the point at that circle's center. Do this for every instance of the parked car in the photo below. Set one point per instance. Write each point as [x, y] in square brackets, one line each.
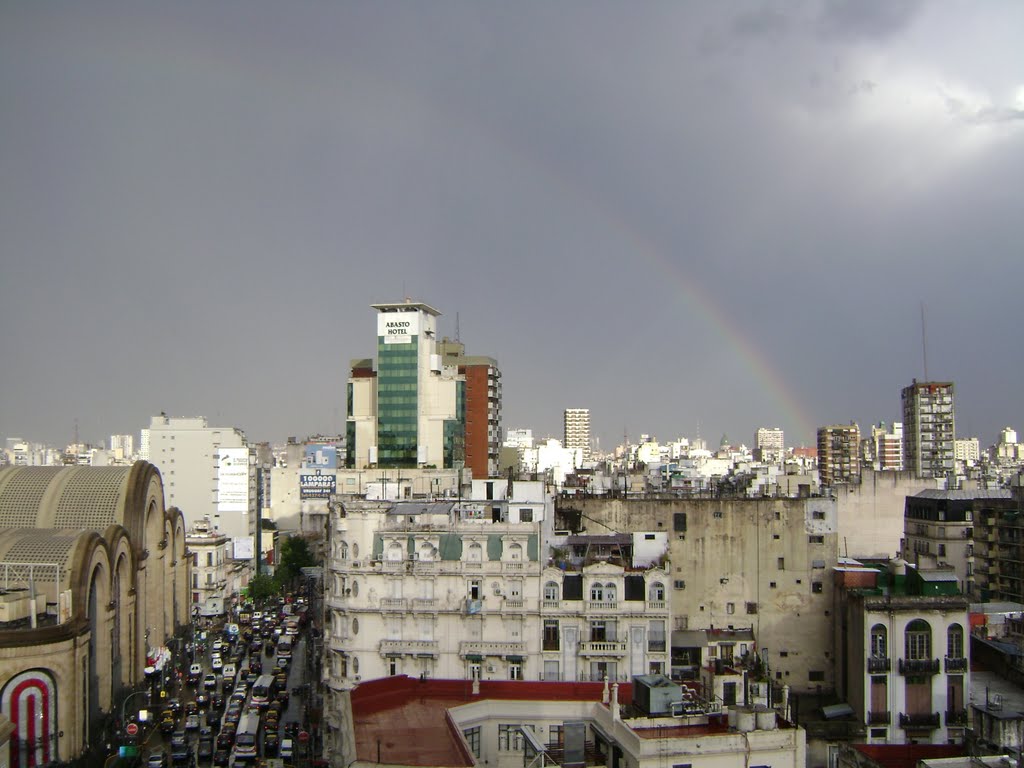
[194, 673]
[156, 760]
[287, 749]
[210, 682]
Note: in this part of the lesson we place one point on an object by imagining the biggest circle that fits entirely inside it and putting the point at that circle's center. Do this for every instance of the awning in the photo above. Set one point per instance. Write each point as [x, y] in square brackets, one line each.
[515, 659]
[836, 710]
[474, 657]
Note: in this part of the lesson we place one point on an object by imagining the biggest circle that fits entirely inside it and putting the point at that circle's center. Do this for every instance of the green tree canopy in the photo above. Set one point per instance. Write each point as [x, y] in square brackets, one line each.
[261, 587]
[293, 556]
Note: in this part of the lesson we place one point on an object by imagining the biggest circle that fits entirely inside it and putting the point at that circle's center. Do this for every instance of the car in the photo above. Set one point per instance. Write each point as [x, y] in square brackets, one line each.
[282, 661]
[174, 705]
[218, 647]
[202, 701]
[210, 682]
[216, 663]
[271, 744]
[216, 702]
[167, 721]
[156, 760]
[229, 670]
[191, 708]
[205, 749]
[192, 722]
[250, 679]
[178, 738]
[287, 749]
[221, 756]
[195, 672]
[181, 755]
[225, 740]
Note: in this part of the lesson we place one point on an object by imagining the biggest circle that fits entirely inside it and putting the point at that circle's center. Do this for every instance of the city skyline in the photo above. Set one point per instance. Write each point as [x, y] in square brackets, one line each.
[685, 218]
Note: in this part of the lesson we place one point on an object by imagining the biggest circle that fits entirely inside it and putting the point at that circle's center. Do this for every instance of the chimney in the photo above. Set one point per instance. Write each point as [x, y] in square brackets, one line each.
[616, 716]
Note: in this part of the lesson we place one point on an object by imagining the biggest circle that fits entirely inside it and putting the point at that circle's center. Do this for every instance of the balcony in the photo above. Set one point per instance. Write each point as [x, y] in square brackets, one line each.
[393, 566]
[915, 720]
[656, 605]
[513, 566]
[879, 718]
[956, 664]
[513, 604]
[409, 648]
[877, 665]
[392, 603]
[595, 606]
[919, 666]
[602, 648]
[551, 605]
[491, 648]
[424, 568]
[424, 603]
[956, 717]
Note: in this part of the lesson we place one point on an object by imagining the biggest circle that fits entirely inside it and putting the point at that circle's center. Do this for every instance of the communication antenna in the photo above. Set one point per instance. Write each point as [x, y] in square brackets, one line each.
[457, 338]
[924, 344]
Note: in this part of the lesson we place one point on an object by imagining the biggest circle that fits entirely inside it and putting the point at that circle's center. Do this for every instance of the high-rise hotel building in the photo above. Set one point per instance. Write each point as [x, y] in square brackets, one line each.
[577, 431]
[425, 404]
[928, 428]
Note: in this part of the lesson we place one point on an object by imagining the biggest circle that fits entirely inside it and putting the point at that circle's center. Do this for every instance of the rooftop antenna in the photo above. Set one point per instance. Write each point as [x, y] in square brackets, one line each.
[924, 344]
[457, 337]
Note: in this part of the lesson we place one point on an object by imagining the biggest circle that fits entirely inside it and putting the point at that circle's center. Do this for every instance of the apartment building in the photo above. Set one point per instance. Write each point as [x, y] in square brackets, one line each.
[998, 537]
[758, 564]
[769, 444]
[465, 590]
[929, 428]
[576, 431]
[901, 648]
[838, 454]
[483, 407]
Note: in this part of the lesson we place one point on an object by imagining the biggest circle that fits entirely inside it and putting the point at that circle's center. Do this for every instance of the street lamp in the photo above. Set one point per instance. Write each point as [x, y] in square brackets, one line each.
[124, 705]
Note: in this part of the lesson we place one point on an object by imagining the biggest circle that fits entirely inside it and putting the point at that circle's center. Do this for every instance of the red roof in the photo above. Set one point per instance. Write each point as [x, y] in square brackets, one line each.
[907, 755]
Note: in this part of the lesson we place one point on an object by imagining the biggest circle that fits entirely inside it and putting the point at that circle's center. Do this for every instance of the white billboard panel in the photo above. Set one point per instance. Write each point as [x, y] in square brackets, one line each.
[244, 547]
[233, 480]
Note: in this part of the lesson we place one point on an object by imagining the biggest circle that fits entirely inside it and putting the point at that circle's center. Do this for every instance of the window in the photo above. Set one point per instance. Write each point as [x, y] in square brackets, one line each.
[551, 591]
[771, 585]
[473, 740]
[510, 737]
[597, 591]
[942, 550]
[818, 515]
[955, 641]
[816, 587]
[816, 676]
[609, 593]
[679, 522]
[816, 539]
[918, 640]
[781, 563]
[550, 673]
[730, 607]
[656, 592]
[515, 671]
[525, 515]
[678, 584]
[551, 635]
[717, 514]
[751, 607]
[656, 635]
[879, 642]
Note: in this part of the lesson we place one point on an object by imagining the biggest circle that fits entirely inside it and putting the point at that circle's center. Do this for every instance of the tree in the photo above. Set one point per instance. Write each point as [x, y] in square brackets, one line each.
[261, 587]
[293, 556]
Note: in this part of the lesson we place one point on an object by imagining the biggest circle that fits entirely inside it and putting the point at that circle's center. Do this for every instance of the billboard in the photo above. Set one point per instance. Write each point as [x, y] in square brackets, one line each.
[323, 455]
[233, 480]
[244, 547]
[317, 486]
[398, 327]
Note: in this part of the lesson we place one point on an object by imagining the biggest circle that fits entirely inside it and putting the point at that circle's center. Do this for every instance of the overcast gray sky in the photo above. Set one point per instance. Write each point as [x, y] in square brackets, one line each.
[684, 216]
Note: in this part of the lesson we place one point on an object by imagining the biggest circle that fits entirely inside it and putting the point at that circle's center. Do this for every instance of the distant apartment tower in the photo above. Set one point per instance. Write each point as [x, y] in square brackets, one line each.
[412, 410]
[122, 445]
[577, 431]
[207, 472]
[967, 450]
[929, 430]
[770, 443]
[483, 407]
[887, 446]
[839, 454]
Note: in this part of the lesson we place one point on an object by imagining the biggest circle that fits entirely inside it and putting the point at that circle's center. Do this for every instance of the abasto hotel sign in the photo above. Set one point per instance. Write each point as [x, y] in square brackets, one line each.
[398, 327]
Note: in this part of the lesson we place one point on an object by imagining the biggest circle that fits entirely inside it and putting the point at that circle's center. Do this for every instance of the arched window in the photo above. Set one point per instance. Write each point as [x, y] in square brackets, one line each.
[515, 552]
[656, 592]
[918, 640]
[879, 642]
[395, 552]
[426, 552]
[609, 592]
[955, 641]
[597, 591]
[475, 553]
[343, 551]
[551, 590]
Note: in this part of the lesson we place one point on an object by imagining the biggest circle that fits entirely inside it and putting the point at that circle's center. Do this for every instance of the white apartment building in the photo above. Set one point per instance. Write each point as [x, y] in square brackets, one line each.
[770, 443]
[464, 590]
[216, 575]
[122, 446]
[902, 639]
[967, 451]
[208, 473]
[577, 431]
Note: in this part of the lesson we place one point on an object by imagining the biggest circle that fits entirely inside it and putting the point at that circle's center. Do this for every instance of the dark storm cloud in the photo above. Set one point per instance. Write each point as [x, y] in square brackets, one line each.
[674, 214]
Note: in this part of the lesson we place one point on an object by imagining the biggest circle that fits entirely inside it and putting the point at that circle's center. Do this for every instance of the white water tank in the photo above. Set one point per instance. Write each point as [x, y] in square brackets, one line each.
[745, 720]
[765, 719]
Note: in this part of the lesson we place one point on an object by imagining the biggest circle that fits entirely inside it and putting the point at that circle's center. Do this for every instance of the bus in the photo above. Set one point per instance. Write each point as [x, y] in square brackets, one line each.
[246, 737]
[262, 691]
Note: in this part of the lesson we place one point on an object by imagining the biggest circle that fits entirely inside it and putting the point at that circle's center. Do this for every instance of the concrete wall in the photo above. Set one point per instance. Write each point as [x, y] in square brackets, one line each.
[871, 512]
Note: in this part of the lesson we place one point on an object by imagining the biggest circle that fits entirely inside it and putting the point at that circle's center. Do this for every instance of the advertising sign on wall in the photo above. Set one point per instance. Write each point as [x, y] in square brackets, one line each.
[233, 480]
[398, 327]
[244, 546]
[317, 486]
[321, 455]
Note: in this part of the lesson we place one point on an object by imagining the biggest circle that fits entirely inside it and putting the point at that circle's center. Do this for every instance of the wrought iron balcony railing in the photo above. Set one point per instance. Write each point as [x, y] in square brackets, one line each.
[919, 666]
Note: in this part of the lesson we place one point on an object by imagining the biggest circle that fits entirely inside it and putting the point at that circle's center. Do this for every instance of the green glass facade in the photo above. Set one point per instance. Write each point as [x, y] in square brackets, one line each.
[397, 403]
[455, 430]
